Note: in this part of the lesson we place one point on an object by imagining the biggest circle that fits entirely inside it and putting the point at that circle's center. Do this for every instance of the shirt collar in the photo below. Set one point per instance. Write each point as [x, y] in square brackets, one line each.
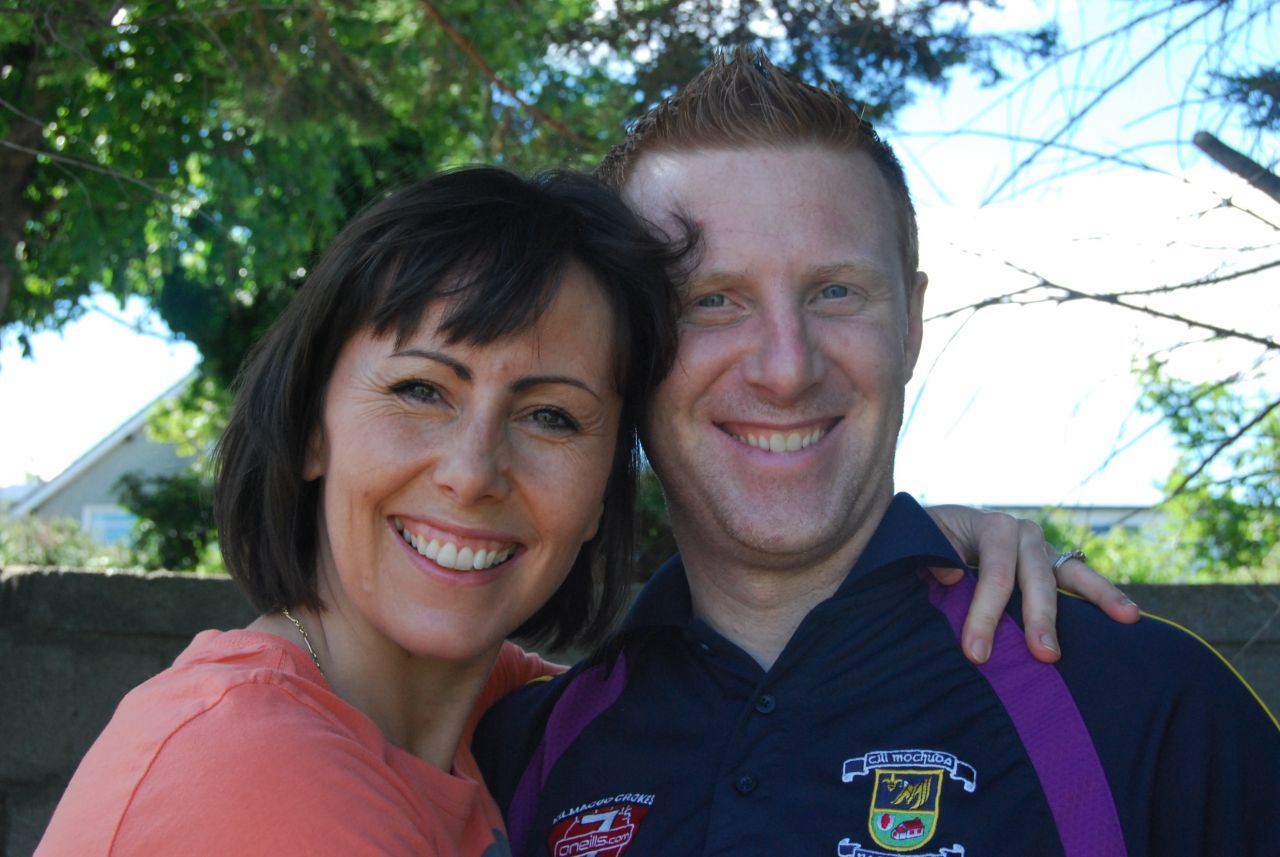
[906, 537]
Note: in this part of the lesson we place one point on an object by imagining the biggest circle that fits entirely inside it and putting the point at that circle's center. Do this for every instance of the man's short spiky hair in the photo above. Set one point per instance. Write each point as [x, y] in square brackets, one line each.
[743, 100]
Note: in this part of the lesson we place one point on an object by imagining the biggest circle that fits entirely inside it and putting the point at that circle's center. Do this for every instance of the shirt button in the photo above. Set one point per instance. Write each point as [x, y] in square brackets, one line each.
[745, 784]
[766, 703]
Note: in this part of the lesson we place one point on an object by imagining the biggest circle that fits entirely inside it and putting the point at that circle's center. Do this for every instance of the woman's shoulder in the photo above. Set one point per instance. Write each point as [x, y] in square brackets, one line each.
[237, 722]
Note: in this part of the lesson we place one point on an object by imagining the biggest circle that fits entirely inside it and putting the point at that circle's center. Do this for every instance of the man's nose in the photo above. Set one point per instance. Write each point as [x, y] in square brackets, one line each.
[473, 466]
[785, 361]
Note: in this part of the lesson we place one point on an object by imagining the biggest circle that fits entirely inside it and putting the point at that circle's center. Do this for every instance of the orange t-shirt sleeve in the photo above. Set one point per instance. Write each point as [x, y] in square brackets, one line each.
[308, 788]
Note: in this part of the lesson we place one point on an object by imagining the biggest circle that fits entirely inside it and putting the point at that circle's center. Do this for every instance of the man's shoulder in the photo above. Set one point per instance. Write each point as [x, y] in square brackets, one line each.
[511, 729]
[1152, 669]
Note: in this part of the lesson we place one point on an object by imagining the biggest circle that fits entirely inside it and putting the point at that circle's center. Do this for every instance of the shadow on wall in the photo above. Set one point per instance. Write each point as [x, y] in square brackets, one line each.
[72, 643]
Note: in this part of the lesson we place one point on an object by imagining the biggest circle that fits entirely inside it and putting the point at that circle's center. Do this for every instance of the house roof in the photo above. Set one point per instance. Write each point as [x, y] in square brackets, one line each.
[96, 453]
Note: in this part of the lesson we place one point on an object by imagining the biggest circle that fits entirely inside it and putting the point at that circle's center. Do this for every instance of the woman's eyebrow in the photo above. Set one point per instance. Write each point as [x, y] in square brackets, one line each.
[532, 381]
[520, 385]
[458, 368]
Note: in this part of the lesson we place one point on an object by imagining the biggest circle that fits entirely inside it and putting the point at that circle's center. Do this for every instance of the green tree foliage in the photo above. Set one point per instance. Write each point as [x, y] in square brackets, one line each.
[1225, 491]
[199, 153]
[29, 540]
[175, 519]
[656, 544]
[1222, 512]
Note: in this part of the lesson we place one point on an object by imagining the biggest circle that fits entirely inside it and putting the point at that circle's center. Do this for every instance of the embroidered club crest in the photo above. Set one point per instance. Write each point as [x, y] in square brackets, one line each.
[906, 797]
[904, 807]
[601, 831]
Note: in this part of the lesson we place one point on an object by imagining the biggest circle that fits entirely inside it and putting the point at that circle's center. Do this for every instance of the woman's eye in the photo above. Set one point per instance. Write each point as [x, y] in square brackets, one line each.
[710, 301]
[835, 291]
[416, 391]
[555, 419]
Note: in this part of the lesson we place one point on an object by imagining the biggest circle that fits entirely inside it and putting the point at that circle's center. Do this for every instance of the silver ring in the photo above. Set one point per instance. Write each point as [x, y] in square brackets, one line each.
[1067, 555]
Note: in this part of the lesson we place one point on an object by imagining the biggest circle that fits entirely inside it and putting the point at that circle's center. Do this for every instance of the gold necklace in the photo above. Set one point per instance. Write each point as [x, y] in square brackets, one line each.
[315, 659]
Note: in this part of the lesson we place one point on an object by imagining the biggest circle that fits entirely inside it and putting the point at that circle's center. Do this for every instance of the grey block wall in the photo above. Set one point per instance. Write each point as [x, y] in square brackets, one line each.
[72, 643]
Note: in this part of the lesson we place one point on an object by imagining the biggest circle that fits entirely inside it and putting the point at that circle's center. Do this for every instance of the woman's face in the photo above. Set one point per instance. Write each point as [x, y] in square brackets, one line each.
[460, 481]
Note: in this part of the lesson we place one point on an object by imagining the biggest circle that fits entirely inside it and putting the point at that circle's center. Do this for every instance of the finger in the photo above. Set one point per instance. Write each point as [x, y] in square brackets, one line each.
[1039, 593]
[1077, 577]
[997, 555]
[946, 575]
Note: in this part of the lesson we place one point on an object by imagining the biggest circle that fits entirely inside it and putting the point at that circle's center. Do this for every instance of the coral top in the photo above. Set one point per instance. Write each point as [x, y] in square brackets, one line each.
[241, 748]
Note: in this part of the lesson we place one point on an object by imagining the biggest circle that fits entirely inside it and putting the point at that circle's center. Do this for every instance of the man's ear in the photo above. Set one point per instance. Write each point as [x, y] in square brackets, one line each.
[915, 320]
[313, 466]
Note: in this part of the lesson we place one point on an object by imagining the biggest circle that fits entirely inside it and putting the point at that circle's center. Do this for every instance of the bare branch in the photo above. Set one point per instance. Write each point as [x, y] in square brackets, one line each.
[1239, 163]
[1093, 102]
[1070, 294]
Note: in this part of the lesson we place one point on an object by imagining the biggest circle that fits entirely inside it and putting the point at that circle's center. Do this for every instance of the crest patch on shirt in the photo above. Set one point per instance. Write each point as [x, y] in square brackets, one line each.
[600, 828]
[906, 799]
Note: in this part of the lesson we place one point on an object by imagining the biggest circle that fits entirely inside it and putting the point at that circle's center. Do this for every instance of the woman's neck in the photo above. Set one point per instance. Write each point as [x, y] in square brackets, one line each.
[421, 705]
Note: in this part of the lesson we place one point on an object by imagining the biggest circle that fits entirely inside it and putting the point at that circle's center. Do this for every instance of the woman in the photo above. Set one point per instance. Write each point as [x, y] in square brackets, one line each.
[434, 448]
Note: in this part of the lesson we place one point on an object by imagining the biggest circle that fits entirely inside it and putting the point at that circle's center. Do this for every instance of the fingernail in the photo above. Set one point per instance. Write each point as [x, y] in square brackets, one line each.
[980, 651]
[1049, 642]
[1128, 602]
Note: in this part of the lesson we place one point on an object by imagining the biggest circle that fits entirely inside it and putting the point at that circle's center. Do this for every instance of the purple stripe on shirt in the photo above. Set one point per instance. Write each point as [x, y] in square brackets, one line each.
[1051, 730]
[589, 693]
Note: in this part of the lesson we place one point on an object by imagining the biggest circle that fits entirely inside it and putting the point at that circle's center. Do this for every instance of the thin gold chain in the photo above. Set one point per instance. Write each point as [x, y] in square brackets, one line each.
[315, 659]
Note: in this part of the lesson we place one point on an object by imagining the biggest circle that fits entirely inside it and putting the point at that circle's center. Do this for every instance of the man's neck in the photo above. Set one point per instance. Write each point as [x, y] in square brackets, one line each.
[759, 607]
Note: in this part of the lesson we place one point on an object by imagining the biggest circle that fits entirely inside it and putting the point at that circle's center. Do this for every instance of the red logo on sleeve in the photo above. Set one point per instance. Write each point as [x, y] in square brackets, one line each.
[602, 831]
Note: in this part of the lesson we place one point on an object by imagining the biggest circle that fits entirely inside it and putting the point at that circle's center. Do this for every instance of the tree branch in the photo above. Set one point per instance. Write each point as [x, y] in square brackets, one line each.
[1239, 163]
[469, 49]
[1101, 95]
[1219, 449]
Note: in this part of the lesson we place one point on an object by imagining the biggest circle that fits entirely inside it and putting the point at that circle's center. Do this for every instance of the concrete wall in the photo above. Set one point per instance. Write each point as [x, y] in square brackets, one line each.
[72, 643]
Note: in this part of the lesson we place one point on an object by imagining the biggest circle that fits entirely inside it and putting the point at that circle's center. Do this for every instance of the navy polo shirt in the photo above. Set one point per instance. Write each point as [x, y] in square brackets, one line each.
[873, 735]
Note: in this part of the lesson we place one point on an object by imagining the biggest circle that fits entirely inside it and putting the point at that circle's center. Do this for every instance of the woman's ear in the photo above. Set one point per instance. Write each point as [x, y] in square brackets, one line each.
[313, 466]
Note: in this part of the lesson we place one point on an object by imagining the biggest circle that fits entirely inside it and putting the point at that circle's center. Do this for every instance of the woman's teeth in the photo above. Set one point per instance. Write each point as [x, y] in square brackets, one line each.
[779, 442]
[451, 556]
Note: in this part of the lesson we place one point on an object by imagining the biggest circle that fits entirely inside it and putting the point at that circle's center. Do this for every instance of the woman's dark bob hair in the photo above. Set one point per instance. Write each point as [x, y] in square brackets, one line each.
[495, 247]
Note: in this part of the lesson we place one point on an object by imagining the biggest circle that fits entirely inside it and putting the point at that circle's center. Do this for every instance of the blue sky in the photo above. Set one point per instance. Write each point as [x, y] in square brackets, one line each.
[1028, 405]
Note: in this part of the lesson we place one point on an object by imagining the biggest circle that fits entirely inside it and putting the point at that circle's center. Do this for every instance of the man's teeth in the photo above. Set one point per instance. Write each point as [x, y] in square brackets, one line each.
[779, 442]
[450, 555]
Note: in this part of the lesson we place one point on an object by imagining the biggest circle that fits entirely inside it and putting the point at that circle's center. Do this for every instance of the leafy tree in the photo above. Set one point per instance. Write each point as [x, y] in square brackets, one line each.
[29, 540]
[1222, 509]
[175, 518]
[200, 153]
[655, 542]
[1224, 492]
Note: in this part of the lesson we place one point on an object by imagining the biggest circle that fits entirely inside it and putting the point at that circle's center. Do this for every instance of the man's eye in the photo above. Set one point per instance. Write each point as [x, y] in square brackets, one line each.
[416, 391]
[835, 291]
[710, 301]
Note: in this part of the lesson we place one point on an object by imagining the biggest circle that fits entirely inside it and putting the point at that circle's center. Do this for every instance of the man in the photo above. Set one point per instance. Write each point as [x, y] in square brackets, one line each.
[791, 683]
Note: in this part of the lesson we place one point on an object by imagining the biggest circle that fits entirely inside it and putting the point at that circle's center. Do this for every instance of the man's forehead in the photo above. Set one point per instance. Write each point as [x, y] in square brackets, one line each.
[663, 183]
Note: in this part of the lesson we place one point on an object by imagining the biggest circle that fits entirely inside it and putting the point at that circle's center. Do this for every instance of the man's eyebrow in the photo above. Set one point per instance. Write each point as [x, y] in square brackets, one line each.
[724, 277]
[712, 279]
[458, 368]
[520, 385]
[850, 268]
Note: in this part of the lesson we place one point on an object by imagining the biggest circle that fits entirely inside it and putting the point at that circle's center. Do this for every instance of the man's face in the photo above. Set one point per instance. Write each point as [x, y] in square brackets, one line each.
[774, 435]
